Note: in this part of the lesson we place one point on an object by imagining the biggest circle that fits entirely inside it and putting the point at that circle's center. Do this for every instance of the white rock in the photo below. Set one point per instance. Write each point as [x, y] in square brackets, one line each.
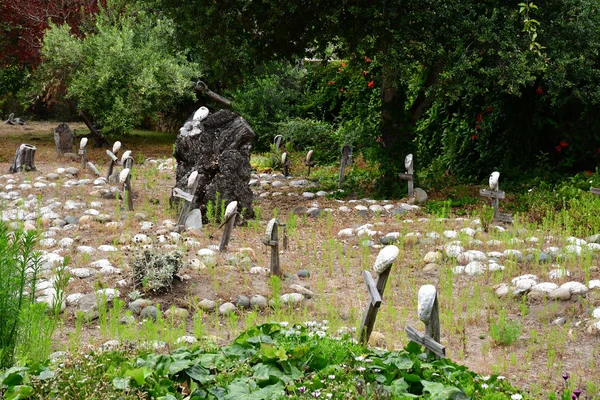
[493, 267]
[558, 273]
[348, 232]
[259, 271]
[453, 250]
[426, 299]
[385, 258]
[469, 231]
[107, 248]
[576, 241]
[575, 288]
[92, 212]
[140, 238]
[74, 298]
[109, 293]
[546, 287]
[475, 268]
[103, 263]
[573, 249]
[459, 269]
[450, 234]
[81, 272]
[596, 313]
[433, 257]
[433, 235]
[85, 249]
[594, 283]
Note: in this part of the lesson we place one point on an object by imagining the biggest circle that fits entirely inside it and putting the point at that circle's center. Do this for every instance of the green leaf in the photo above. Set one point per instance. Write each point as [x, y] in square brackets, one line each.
[199, 374]
[413, 348]
[168, 396]
[211, 361]
[45, 374]
[19, 392]
[266, 373]
[413, 378]
[139, 374]
[439, 391]
[121, 383]
[179, 366]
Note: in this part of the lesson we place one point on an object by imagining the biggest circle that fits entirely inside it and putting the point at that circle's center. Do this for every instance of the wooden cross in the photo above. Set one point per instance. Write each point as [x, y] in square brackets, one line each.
[409, 175]
[382, 268]
[346, 160]
[285, 163]
[189, 198]
[125, 180]
[308, 161]
[495, 194]
[428, 311]
[115, 150]
[271, 239]
[277, 142]
[230, 214]
[83, 152]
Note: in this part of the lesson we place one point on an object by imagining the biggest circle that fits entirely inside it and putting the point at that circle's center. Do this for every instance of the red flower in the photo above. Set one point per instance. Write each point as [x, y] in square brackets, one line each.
[558, 148]
[340, 70]
[364, 73]
[378, 140]
[342, 90]
[473, 137]
[563, 143]
[539, 91]
[479, 118]
[371, 84]
[343, 64]
[489, 109]
[330, 82]
[367, 59]
[588, 173]
[477, 127]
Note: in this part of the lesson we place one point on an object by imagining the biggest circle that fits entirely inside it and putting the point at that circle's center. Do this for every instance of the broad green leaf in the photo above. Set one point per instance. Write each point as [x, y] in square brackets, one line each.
[439, 391]
[199, 374]
[211, 361]
[179, 366]
[266, 372]
[168, 396]
[45, 374]
[19, 392]
[139, 374]
[121, 383]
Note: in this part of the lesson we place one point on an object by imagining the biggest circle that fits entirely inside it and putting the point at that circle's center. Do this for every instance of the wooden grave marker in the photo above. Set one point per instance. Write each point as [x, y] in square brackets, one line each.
[271, 240]
[346, 160]
[308, 161]
[277, 140]
[125, 180]
[83, 152]
[24, 159]
[95, 170]
[113, 160]
[495, 194]
[285, 164]
[409, 176]
[595, 191]
[230, 215]
[189, 198]
[428, 311]
[382, 268]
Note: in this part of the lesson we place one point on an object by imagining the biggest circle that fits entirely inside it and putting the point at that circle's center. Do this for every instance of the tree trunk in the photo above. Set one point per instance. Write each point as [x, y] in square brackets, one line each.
[99, 140]
[24, 159]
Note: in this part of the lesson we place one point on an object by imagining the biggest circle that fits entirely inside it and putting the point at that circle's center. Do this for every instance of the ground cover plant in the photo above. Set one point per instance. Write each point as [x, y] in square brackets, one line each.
[489, 322]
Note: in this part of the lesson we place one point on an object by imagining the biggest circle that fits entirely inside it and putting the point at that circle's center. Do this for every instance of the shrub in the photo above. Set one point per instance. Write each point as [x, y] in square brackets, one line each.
[505, 332]
[308, 134]
[154, 271]
[19, 265]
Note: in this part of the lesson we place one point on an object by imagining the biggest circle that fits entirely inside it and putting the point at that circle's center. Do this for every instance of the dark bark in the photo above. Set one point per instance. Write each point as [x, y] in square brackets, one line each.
[219, 149]
[99, 139]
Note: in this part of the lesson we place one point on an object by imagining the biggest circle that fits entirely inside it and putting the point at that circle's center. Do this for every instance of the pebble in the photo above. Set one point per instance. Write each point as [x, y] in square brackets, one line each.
[242, 301]
[227, 308]
[207, 305]
[303, 273]
[149, 312]
[258, 301]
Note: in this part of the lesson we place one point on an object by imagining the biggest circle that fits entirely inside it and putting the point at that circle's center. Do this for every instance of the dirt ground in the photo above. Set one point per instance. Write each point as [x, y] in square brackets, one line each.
[468, 305]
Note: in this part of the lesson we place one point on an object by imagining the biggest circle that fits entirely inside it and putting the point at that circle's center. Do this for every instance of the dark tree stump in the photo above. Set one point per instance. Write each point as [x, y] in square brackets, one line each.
[24, 159]
[218, 147]
[63, 138]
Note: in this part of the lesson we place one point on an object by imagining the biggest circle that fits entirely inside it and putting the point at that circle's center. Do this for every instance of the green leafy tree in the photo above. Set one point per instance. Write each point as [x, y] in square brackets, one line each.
[118, 73]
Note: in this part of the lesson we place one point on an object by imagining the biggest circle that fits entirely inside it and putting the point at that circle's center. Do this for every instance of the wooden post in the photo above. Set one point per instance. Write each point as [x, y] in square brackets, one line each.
[83, 152]
[409, 176]
[382, 268]
[125, 179]
[271, 239]
[308, 161]
[346, 160]
[495, 194]
[189, 198]
[24, 159]
[429, 314]
[277, 142]
[113, 160]
[285, 164]
[595, 191]
[230, 214]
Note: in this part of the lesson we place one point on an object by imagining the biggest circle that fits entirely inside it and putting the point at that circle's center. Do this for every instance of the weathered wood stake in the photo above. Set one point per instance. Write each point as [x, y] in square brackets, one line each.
[285, 163]
[95, 170]
[230, 215]
[429, 314]
[409, 176]
[495, 194]
[127, 192]
[277, 140]
[113, 161]
[346, 160]
[382, 268]
[271, 239]
[308, 161]
[83, 152]
[188, 197]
